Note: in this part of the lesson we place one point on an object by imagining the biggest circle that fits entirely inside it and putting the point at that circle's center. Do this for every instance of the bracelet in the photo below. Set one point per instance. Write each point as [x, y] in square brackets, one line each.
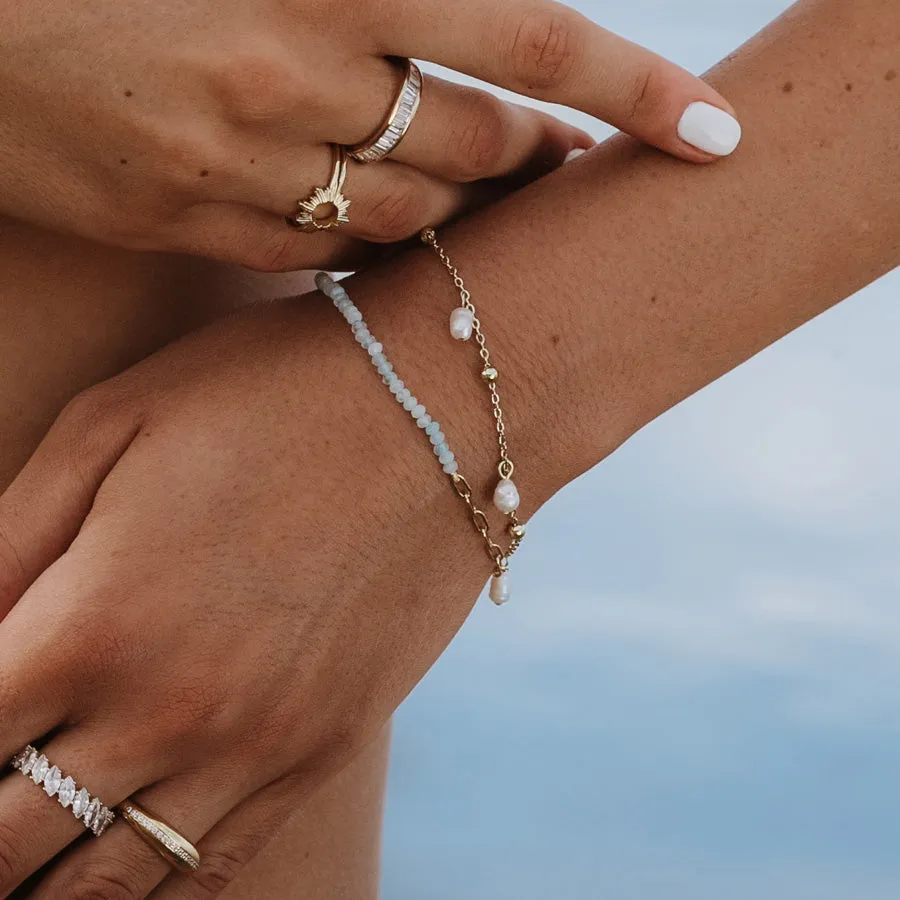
[464, 324]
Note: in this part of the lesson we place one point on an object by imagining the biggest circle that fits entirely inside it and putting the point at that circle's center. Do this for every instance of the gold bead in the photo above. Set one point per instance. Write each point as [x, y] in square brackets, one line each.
[490, 374]
[517, 530]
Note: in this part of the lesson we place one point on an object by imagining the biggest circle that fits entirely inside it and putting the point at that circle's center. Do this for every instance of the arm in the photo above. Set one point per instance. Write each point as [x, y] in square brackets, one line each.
[273, 546]
[626, 281]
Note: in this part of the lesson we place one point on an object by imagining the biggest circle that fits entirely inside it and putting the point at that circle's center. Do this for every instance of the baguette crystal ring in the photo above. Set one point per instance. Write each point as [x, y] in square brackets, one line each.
[173, 847]
[325, 209]
[89, 810]
[385, 140]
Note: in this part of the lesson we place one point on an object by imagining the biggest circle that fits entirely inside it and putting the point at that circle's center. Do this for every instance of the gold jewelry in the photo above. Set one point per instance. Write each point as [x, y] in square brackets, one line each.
[464, 324]
[176, 849]
[325, 209]
[393, 129]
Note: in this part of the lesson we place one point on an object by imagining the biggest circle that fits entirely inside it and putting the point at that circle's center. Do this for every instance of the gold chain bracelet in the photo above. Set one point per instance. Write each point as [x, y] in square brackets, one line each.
[464, 324]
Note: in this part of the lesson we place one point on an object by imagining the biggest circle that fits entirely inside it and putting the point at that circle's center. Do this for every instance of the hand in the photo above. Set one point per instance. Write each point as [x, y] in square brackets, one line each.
[230, 574]
[197, 126]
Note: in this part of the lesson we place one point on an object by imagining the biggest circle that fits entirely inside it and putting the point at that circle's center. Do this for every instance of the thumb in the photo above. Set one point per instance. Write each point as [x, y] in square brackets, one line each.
[42, 511]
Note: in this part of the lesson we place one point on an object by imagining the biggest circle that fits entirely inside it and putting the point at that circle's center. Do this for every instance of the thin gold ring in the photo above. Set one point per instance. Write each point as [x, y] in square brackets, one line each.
[173, 847]
[395, 125]
[325, 209]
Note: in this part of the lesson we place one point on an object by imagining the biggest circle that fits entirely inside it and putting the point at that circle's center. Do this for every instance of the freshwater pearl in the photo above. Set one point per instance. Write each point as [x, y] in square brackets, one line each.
[499, 592]
[462, 321]
[506, 496]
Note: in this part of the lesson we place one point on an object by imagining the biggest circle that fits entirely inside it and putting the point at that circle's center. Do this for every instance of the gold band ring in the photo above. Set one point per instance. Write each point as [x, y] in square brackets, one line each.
[176, 849]
[385, 140]
[325, 209]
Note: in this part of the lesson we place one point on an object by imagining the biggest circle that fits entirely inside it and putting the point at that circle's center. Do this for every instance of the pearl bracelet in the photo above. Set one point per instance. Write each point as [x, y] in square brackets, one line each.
[464, 324]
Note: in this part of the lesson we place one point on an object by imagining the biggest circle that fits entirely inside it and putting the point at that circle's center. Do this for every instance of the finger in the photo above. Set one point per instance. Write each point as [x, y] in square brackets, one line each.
[260, 240]
[123, 864]
[42, 510]
[237, 839]
[43, 665]
[459, 133]
[389, 202]
[548, 51]
[35, 825]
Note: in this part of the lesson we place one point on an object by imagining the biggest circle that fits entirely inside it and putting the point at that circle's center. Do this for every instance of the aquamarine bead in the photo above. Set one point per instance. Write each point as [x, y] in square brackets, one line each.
[410, 403]
[418, 411]
[375, 348]
[404, 395]
[378, 359]
[445, 458]
[397, 386]
[385, 369]
[438, 437]
[443, 447]
[451, 468]
[432, 428]
[366, 342]
[354, 315]
[423, 421]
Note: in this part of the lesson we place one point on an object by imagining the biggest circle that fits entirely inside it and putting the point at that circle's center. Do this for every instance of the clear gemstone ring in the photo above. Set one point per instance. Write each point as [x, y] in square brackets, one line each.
[89, 810]
[175, 848]
[394, 128]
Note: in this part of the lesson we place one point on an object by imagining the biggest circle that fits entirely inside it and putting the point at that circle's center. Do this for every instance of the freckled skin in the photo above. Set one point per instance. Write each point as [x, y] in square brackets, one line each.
[788, 87]
[890, 75]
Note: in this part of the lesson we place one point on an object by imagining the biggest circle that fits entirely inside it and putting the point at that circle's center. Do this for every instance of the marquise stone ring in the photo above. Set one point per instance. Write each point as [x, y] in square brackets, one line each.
[386, 139]
[90, 811]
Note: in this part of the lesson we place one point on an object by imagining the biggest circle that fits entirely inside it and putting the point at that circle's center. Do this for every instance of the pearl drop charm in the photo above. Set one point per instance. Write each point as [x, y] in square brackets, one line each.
[499, 592]
[462, 322]
[506, 496]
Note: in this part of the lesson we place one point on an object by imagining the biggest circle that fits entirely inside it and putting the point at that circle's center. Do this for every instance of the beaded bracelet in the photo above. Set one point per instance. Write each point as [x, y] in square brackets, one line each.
[464, 324]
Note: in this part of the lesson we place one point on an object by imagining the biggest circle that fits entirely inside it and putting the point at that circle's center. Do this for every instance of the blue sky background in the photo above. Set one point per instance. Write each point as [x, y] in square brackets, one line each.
[695, 693]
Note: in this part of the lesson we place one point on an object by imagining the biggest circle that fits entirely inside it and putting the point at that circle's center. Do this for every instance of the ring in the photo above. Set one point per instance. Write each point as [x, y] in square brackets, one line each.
[325, 209]
[398, 120]
[90, 811]
[164, 839]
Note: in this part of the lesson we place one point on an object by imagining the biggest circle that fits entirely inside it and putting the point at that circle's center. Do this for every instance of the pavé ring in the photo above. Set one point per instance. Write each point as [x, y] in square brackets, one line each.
[90, 811]
[173, 847]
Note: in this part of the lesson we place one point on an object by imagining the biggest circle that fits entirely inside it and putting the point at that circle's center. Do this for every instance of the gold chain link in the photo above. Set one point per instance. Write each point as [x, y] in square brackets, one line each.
[505, 466]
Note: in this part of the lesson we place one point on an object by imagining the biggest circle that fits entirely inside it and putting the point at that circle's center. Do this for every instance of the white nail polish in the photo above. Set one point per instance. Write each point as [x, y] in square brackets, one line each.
[574, 153]
[709, 128]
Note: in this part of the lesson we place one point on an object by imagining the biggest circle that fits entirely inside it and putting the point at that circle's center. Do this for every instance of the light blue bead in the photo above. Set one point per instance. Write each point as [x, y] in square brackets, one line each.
[410, 403]
[403, 395]
[445, 458]
[423, 421]
[397, 386]
[441, 449]
[378, 359]
[437, 437]
[452, 467]
[354, 315]
[432, 428]
[375, 348]
[385, 369]
[367, 341]
[418, 411]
